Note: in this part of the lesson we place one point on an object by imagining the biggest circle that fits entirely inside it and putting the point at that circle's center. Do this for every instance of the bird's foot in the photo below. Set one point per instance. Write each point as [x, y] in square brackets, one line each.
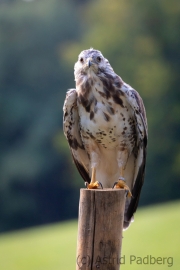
[93, 185]
[121, 184]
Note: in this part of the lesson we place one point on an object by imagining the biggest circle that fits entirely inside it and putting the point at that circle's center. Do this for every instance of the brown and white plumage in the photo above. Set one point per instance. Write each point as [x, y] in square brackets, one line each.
[106, 127]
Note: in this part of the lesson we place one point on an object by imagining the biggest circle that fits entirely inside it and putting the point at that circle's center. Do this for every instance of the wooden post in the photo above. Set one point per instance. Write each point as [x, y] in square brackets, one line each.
[101, 215]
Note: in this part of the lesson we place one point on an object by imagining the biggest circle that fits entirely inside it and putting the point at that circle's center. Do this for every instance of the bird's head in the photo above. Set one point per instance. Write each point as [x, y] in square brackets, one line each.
[91, 61]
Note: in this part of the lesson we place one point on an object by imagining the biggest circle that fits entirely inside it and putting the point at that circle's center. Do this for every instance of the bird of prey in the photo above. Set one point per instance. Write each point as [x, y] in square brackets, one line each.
[106, 128]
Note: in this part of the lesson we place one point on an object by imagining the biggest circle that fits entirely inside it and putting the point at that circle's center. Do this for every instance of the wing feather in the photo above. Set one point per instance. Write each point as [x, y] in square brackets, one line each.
[72, 133]
[140, 150]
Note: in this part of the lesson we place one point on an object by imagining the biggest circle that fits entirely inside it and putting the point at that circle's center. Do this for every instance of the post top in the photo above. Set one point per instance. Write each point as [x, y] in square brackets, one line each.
[104, 190]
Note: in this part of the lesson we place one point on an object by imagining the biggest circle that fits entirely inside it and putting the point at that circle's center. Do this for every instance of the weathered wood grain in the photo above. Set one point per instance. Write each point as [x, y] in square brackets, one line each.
[100, 225]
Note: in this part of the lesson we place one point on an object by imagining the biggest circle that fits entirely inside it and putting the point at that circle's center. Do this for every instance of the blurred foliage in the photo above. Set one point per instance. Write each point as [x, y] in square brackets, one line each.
[39, 44]
[34, 175]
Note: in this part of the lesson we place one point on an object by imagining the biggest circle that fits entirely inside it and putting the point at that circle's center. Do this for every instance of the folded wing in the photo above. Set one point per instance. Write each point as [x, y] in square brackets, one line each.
[138, 153]
[72, 133]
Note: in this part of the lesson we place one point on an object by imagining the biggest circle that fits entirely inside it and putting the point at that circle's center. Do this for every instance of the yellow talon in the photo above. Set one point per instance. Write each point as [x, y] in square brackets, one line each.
[94, 185]
[121, 184]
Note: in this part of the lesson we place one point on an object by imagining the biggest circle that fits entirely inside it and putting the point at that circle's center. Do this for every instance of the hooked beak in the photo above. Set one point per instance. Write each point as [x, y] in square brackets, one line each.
[89, 62]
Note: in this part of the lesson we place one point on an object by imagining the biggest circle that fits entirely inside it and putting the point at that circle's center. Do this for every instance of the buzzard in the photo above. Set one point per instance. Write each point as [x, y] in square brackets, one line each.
[106, 128]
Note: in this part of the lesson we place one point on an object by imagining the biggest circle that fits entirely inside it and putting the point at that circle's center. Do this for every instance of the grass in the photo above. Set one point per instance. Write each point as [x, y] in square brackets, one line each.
[155, 232]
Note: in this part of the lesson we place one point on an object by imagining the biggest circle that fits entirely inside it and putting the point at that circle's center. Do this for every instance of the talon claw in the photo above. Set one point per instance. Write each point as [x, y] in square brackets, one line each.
[86, 184]
[100, 184]
[121, 184]
[95, 185]
[114, 185]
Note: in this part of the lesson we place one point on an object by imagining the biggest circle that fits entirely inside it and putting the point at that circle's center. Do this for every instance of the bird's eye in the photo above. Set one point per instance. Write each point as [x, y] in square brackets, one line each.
[81, 60]
[99, 59]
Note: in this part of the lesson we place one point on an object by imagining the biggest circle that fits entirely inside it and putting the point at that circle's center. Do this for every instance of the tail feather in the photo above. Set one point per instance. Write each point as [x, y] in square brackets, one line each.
[127, 221]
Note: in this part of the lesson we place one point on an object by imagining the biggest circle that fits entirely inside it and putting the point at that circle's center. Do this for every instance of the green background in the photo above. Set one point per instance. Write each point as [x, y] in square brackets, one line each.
[155, 232]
